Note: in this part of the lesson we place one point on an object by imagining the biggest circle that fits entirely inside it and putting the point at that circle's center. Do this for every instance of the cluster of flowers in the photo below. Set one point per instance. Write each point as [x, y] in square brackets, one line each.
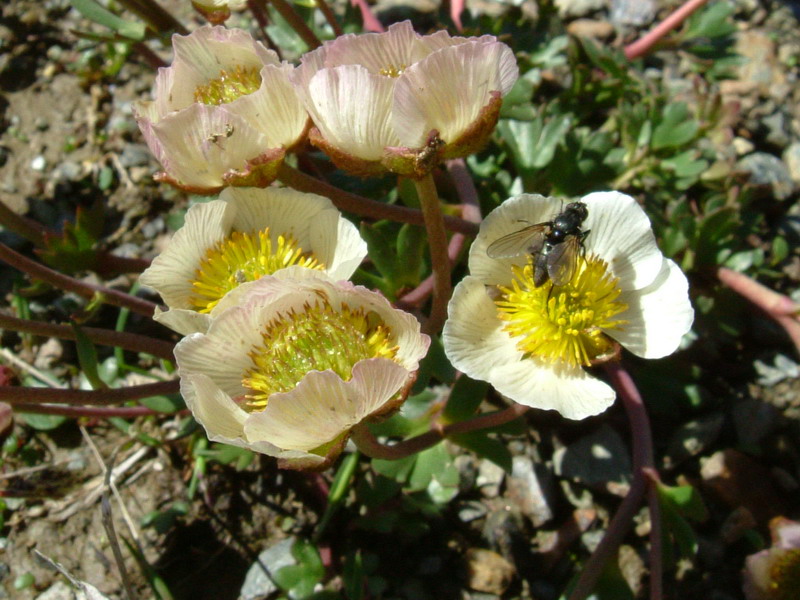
[281, 353]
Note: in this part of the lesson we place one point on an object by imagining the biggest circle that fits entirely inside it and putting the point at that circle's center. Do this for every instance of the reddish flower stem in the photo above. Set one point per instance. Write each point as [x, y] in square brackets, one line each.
[70, 284]
[656, 549]
[153, 60]
[365, 207]
[643, 45]
[371, 23]
[642, 442]
[105, 337]
[330, 17]
[26, 395]
[156, 16]
[777, 306]
[369, 445]
[437, 244]
[111, 264]
[296, 22]
[27, 228]
[103, 412]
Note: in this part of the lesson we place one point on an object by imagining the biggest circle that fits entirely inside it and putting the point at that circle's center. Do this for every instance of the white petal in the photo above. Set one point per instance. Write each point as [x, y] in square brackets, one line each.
[182, 320]
[512, 215]
[569, 390]
[447, 90]
[201, 143]
[378, 52]
[352, 109]
[473, 337]
[172, 271]
[621, 234]
[219, 415]
[658, 316]
[275, 108]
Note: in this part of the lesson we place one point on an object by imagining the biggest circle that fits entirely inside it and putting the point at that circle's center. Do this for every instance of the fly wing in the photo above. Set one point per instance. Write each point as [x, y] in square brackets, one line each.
[562, 260]
[528, 240]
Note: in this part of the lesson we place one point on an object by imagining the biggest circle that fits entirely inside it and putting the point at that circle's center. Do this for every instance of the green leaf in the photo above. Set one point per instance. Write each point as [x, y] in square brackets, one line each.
[431, 463]
[465, 398]
[87, 357]
[354, 576]
[411, 245]
[95, 12]
[434, 364]
[397, 470]
[165, 404]
[713, 21]
[42, 422]
[486, 447]
[307, 555]
[381, 249]
[533, 143]
[686, 499]
[676, 127]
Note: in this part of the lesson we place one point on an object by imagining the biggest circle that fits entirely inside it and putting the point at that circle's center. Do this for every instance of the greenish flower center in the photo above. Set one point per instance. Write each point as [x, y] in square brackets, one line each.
[317, 338]
[229, 86]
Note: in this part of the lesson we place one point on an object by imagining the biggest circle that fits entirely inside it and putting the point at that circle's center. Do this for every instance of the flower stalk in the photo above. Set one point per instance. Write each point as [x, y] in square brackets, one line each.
[643, 45]
[296, 21]
[437, 242]
[365, 207]
[70, 284]
[15, 395]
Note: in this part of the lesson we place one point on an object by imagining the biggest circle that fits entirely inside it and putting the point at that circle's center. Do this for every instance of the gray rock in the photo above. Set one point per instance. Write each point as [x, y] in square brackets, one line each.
[600, 460]
[791, 157]
[692, 438]
[768, 171]
[777, 129]
[754, 420]
[257, 583]
[135, 155]
[67, 171]
[632, 12]
[490, 476]
[529, 488]
[579, 8]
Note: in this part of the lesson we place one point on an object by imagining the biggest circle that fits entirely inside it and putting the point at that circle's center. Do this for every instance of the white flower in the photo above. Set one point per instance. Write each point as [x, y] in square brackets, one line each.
[295, 365]
[532, 343]
[224, 112]
[227, 244]
[401, 101]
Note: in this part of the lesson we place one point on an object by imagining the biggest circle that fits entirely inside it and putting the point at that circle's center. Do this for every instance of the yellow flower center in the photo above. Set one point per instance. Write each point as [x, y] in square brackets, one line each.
[392, 71]
[240, 258]
[562, 324]
[229, 86]
[319, 337]
[785, 576]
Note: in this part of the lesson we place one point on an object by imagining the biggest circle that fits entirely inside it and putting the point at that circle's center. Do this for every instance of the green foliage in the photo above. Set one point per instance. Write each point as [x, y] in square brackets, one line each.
[75, 249]
[299, 580]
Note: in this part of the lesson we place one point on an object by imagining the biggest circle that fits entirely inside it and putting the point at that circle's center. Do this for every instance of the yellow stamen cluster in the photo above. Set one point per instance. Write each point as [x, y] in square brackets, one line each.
[785, 575]
[317, 338]
[392, 71]
[243, 257]
[562, 324]
[229, 86]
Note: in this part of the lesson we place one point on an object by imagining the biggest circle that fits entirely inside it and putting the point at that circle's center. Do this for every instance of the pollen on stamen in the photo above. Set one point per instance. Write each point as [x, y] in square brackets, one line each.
[392, 71]
[563, 324]
[243, 257]
[229, 86]
[317, 337]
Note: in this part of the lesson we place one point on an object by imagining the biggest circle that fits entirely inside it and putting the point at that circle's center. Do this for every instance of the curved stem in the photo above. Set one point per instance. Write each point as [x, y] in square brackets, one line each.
[656, 549]
[103, 412]
[642, 442]
[106, 337]
[365, 207]
[330, 17]
[366, 442]
[26, 395]
[643, 45]
[70, 284]
[437, 242]
[24, 227]
[297, 23]
[111, 264]
[371, 22]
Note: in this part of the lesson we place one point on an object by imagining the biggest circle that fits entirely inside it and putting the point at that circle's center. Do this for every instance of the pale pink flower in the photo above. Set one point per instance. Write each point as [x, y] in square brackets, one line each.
[774, 573]
[224, 112]
[400, 101]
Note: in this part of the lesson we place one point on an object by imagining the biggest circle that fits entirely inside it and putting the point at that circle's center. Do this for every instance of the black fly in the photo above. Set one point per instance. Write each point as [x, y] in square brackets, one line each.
[553, 244]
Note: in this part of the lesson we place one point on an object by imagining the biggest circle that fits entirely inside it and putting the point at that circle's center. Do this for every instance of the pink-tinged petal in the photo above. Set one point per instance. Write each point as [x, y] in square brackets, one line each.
[202, 143]
[473, 335]
[658, 316]
[512, 215]
[621, 234]
[447, 90]
[569, 390]
[380, 53]
[182, 320]
[172, 271]
[146, 116]
[274, 109]
[351, 108]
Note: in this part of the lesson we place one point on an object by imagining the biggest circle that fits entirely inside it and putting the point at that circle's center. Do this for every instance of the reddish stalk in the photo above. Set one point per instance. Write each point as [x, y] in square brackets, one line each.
[27, 395]
[102, 412]
[156, 16]
[110, 264]
[262, 18]
[365, 207]
[642, 442]
[153, 60]
[656, 539]
[105, 337]
[777, 306]
[70, 284]
[330, 17]
[369, 445]
[296, 22]
[371, 23]
[24, 227]
[643, 45]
